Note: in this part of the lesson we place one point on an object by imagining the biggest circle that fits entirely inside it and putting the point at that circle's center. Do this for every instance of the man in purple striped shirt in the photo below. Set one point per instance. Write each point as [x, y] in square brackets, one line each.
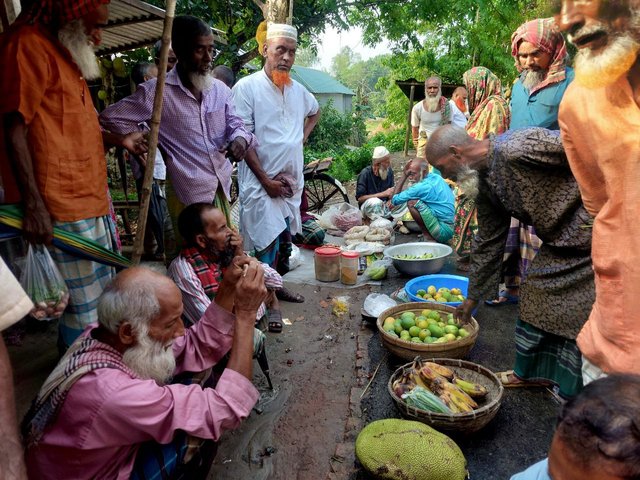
[198, 125]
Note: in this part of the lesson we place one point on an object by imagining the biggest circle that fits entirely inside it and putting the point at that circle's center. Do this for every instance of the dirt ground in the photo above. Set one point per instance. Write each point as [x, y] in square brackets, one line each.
[322, 367]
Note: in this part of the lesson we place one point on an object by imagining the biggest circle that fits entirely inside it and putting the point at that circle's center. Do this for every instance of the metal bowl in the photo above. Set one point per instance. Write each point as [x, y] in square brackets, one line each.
[415, 268]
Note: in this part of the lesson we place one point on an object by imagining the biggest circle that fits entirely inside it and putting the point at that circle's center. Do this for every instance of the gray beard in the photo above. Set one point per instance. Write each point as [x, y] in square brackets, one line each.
[532, 78]
[383, 173]
[201, 82]
[149, 359]
[595, 70]
[73, 37]
[433, 103]
[467, 180]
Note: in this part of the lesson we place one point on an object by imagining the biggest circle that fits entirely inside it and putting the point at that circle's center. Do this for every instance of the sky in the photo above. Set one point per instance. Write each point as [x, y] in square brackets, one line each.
[332, 41]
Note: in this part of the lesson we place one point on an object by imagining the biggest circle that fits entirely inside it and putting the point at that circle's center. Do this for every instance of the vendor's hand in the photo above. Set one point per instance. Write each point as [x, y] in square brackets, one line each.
[136, 142]
[251, 291]
[36, 226]
[388, 193]
[237, 148]
[237, 242]
[274, 188]
[463, 311]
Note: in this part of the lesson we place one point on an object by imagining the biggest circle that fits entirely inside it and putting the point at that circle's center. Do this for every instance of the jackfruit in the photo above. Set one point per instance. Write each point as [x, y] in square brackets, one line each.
[382, 447]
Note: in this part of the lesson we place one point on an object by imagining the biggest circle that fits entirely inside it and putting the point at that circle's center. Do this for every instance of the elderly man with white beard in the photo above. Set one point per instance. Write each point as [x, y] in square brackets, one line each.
[525, 174]
[600, 124]
[429, 114]
[199, 123]
[51, 149]
[108, 410]
[282, 114]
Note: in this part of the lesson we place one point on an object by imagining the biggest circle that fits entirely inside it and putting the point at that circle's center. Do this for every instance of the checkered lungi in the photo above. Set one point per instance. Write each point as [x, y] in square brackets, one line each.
[85, 279]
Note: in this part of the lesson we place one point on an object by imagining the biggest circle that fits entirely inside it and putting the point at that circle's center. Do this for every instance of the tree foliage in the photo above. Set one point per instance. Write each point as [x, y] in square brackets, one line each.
[444, 38]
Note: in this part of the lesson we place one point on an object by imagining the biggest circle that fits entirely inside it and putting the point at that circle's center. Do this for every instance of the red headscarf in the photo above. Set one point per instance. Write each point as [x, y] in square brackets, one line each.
[60, 11]
[542, 33]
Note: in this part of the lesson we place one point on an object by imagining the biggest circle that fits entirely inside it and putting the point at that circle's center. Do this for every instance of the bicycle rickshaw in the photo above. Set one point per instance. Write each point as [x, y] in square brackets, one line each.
[322, 189]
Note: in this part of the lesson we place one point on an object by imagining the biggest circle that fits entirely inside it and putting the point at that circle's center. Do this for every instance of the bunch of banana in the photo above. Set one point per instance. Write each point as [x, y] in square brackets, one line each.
[474, 390]
[437, 380]
[452, 396]
[403, 384]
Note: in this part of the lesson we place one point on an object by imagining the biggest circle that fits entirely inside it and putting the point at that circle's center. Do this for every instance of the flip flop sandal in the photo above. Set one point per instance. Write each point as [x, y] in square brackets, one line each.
[509, 383]
[289, 296]
[274, 319]
[509, 300]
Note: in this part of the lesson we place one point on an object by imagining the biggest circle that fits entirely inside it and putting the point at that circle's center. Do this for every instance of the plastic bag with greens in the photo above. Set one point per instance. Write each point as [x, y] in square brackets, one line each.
[44, 284]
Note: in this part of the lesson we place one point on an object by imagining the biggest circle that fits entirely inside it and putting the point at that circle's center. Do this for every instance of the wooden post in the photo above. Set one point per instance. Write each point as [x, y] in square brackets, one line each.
[406, 138]
[138, 244]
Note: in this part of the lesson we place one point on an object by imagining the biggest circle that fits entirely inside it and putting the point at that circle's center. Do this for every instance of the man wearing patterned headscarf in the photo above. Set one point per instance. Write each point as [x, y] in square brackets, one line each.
[51, 148]
[540, 56]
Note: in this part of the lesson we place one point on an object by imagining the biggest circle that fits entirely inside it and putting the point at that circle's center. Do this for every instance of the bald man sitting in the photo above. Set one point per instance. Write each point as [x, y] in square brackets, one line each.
[109, 409]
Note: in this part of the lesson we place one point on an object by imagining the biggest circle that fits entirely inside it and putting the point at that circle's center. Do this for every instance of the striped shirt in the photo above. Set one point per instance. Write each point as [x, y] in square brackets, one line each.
[194, 298]
[191, 133]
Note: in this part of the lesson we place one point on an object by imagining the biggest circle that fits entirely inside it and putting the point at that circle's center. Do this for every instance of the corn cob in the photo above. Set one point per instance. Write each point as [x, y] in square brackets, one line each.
[425, 400]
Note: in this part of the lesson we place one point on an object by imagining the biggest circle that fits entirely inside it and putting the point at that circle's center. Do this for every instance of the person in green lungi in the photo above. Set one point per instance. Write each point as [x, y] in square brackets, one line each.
[430, 201]
[525, 174]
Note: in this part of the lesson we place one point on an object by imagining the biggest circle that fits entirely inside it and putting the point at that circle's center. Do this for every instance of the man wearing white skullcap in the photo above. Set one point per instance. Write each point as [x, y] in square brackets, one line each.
[375, 184]
[281, 113]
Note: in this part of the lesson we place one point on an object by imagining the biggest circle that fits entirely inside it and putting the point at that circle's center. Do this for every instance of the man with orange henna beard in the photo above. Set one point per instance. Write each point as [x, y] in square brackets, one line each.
[281, 113]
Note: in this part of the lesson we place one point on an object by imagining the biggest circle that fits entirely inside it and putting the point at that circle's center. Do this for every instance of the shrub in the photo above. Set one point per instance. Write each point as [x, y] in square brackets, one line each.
[394, 140]
[332, 131]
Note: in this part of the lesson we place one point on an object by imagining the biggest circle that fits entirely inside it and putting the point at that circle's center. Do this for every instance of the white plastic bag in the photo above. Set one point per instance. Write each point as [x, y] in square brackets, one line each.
[374, 272]
[295, 260]
[382, 222]
[341, 217]
[44, 284]
[376, 303]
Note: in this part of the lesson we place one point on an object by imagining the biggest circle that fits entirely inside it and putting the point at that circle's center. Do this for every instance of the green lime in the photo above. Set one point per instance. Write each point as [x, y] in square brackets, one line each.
[414, 331]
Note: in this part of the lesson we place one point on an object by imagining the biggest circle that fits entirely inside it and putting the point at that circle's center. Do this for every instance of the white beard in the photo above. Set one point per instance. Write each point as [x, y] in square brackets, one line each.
[532, 78]
[150, 359]
[467, 180]
[433, 103]
[383, 173]
[73, 37]
[201, 82]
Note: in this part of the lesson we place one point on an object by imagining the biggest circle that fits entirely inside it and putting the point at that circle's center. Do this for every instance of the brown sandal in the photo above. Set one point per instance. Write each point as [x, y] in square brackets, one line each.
[289, 296]
[274, 321]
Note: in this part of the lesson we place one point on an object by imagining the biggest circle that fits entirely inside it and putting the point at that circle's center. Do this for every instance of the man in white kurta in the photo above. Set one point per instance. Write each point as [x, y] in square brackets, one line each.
[281, 113]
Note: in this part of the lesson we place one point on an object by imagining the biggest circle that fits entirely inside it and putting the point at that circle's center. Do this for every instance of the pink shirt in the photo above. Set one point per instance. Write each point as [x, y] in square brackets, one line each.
[107, 414]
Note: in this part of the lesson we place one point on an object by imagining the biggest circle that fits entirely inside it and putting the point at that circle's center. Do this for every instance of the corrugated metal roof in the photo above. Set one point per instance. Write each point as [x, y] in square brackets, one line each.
[133, 24]
[317, 81]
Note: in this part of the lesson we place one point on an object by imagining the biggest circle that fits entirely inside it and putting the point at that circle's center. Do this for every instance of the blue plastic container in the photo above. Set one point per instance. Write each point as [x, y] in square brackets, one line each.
[438, 281]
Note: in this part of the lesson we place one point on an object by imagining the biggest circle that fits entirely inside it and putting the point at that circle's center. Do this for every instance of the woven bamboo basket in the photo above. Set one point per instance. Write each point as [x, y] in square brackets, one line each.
[457, 422]
[409, 350]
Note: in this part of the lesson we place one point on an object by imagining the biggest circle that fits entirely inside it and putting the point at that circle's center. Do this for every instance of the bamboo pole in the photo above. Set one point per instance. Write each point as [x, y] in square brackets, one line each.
[138, 244]
[406, 138]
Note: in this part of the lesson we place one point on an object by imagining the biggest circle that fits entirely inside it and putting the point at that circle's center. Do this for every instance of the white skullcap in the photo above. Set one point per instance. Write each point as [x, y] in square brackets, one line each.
[380, 152]
[281, 30]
